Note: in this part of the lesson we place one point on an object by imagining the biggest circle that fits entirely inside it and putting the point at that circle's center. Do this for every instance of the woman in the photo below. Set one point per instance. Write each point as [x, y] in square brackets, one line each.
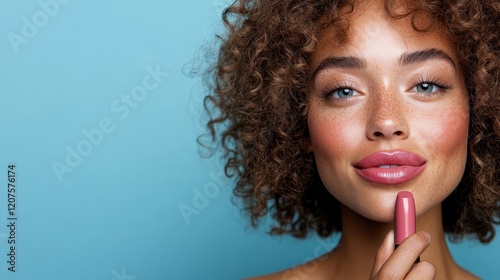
[327, 109]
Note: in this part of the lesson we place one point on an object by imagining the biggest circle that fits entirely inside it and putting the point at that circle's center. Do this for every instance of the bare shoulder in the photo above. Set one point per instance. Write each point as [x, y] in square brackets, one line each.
[288, 274]
[273, 276]
[465, 274]
[314, 269]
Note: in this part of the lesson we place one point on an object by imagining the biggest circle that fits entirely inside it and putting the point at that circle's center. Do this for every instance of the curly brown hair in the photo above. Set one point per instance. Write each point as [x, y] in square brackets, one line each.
[258, 109]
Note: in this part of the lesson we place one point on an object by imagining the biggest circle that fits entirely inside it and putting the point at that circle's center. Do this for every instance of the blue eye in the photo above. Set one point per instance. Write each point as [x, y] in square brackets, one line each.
[426, 87]
[343, 93]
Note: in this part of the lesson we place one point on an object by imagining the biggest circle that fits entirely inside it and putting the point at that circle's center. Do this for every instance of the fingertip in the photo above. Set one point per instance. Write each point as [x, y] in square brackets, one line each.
[387, 247]
[425, 236]
[383, 252]
[390, 234]
[389, 240]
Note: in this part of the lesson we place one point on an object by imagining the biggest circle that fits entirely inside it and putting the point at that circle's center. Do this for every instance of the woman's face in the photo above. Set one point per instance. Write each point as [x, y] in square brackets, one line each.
[388, 111]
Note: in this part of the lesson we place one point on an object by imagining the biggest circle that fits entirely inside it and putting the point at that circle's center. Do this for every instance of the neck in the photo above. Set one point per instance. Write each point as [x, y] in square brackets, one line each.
[361, 238]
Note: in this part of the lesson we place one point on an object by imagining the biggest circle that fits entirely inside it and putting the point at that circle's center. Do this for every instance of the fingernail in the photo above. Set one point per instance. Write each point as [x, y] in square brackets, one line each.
[427, 237]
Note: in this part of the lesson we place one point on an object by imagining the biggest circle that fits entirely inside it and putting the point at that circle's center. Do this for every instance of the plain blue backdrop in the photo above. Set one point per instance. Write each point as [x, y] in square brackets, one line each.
[100, 116]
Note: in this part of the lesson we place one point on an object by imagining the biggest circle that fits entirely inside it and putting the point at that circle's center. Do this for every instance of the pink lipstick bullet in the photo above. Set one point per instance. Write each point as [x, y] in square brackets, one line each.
[404, 218]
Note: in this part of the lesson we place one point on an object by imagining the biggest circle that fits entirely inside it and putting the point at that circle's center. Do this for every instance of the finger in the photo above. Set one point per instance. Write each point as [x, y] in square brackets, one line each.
[422, 271]
[401, 261]
[383, 253]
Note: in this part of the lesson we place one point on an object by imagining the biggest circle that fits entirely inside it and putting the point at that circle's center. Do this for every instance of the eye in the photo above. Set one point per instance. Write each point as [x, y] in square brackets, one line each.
[342, 93]
[426, 87]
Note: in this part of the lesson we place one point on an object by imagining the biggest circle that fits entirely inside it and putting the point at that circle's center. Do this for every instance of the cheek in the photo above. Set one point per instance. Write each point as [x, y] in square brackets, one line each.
[332, 135]
[333, 139]
[446, 133]
[445, 144]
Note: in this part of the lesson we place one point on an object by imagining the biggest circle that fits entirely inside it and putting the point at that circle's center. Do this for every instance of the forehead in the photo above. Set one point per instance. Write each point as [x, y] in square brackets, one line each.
[370, 27]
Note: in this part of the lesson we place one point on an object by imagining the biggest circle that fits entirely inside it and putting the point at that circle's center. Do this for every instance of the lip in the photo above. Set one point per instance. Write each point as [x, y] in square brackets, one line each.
[404, 167]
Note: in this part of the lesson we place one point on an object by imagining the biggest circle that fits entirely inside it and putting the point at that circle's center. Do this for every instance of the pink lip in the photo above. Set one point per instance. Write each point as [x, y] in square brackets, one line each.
[406, 166]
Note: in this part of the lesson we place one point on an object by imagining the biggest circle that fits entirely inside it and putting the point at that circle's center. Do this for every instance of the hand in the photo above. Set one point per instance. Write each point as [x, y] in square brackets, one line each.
[400, 264]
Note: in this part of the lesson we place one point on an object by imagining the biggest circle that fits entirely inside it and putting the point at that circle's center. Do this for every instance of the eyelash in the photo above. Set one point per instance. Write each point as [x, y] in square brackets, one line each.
[328, 92]
[442, 87]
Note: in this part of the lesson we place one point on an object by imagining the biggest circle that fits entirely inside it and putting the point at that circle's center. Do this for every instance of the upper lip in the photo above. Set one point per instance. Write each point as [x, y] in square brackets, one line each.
[400, 158]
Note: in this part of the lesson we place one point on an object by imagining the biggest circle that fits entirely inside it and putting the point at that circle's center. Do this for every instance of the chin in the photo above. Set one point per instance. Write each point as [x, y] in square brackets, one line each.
[377, 209]
[382, 216]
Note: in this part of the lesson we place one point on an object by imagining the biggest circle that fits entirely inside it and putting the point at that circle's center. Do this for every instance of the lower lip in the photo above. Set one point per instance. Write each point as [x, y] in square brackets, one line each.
[390, 176]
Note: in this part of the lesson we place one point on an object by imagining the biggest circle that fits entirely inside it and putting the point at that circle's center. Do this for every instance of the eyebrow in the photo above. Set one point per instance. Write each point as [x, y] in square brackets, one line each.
[343, 62]
[346, 62]
[424, 55]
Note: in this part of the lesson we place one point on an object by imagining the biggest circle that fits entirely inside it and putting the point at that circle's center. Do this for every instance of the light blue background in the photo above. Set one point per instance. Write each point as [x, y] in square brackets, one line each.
[116, 214]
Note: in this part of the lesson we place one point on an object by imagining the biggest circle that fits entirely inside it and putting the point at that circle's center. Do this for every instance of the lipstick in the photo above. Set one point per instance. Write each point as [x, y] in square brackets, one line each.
[404, 218]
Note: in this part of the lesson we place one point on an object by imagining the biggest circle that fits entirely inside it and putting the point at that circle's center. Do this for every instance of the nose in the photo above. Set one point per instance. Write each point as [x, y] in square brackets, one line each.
[387, 118]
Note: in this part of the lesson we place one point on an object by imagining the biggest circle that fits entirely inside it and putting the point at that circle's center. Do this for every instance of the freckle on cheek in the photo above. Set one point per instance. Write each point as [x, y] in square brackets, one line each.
[449, 131]
[456, 125]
